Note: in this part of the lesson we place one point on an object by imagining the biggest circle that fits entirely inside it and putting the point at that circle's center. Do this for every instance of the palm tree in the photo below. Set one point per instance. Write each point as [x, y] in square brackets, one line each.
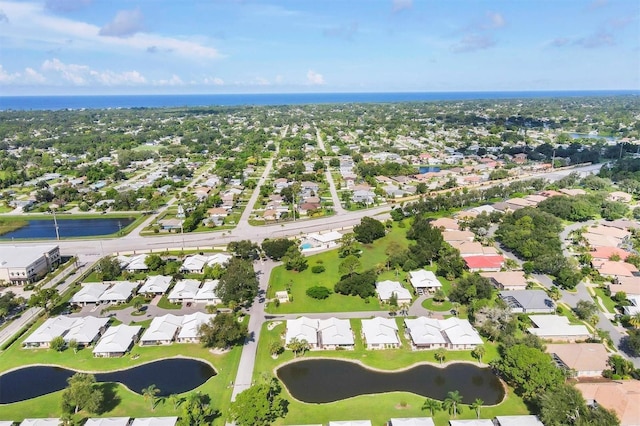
[175, 400]
[432, 405]
[440, 354]
[149, 393]
[554, 293]
[478, 353]
[451, 402]
[477, 404]
[635, 320]
[298, 346]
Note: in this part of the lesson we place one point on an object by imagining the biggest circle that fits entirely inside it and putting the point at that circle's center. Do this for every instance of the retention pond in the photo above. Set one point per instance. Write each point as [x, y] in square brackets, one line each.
[68, 228]
[171, 376]
[329, 380]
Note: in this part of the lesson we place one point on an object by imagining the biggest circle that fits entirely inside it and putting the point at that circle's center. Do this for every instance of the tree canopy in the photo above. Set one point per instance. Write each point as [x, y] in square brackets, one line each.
[275, 249]
[259, 405]
[529, 370]
[82, 393]
[368, 230]
[222, 331]
[238, 282]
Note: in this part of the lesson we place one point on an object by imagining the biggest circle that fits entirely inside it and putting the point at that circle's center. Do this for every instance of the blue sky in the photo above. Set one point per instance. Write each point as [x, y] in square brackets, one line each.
[272, 46]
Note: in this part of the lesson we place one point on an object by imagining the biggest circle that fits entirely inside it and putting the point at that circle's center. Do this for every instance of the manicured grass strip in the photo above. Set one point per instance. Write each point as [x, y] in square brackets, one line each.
[606, 300]
[435, 306]
[165, 304]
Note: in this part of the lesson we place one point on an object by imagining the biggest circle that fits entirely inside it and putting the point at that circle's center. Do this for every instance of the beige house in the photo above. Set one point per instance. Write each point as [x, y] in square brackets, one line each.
[586, 359]
[507, 280]
[621, 396]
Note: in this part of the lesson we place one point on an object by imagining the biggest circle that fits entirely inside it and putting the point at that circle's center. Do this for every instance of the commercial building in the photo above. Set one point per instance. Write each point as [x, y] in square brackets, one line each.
[27, 264]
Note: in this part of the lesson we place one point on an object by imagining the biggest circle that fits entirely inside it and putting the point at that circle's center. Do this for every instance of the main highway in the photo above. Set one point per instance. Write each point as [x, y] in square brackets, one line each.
[134, 242]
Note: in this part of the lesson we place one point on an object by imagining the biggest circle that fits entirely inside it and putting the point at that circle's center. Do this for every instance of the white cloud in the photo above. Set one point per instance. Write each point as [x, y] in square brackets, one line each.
[3, 16]
[6, 77]
[58, 31]
[125, 24]
[314, 78]
[496, 20]
[73, 73]
[398, 5]
[173, 81]
[214, 81]
[82, 75]
[33, 76]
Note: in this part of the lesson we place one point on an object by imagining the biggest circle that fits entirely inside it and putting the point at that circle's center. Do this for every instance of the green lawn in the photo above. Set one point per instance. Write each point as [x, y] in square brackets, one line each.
[377, 408]
[434, 306]
[373, 256]
[130, 404]
[165, 304]
[606, 301]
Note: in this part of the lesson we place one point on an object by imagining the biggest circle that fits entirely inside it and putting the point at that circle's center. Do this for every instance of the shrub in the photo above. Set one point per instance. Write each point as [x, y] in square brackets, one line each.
[318, 292]
[318, 269]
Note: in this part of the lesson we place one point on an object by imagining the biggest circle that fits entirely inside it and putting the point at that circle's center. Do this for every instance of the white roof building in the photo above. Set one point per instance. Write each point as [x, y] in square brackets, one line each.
[155, 421]
[184, 291]
[459, 333]
[137, 263]
[351, 423]
[191, 324]
[425, 332]
[421, 280]
[156, 284]
[380, 332]
[386, 288]
[302, 328]
[335, 332]
[52, 327]
[116, 340]
[119, 292]
[197, 262]
[89, 293]
[557, 328]
[525, 420]
[326, 238]
[452, 333]
[207, 293]
[162, 330]
[40, 422]
[83, 330]
[108, 421]
[471, 422]
[412, 421]
[86, 330]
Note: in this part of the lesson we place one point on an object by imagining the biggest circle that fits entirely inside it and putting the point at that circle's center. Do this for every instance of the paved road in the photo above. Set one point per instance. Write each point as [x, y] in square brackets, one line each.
[244, 377]
[337, 205]
[243, 223]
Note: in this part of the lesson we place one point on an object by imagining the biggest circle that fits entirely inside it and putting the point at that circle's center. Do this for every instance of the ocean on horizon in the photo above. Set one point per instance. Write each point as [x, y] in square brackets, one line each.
[52, 103]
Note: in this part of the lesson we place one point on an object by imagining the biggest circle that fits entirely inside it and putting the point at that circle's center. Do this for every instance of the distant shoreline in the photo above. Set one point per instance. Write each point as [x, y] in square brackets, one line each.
[78, 102]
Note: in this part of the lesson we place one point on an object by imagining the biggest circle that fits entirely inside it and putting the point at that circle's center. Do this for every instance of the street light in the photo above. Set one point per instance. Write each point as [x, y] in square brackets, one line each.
[53, 208]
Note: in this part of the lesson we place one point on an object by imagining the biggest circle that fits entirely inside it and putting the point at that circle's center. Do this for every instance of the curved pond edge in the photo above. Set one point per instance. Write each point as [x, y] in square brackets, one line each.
[362, 364]
[106, 371]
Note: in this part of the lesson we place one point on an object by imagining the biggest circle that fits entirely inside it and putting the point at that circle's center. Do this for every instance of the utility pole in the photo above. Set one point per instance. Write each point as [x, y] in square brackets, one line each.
[55, 223]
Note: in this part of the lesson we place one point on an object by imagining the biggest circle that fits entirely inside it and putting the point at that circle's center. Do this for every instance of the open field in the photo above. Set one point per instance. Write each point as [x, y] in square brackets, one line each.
[373, 255]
